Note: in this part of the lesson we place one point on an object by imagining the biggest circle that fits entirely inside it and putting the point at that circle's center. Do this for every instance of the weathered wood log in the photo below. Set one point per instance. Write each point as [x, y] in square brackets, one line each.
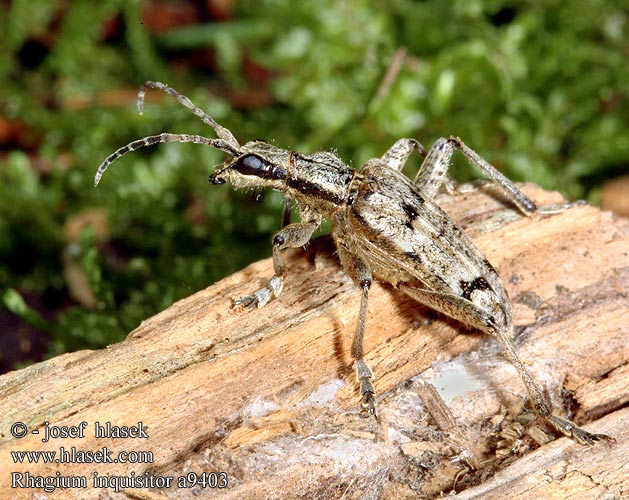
[269, 398]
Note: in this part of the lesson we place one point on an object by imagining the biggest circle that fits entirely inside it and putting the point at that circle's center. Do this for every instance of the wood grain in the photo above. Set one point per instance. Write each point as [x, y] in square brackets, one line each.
[269, 396]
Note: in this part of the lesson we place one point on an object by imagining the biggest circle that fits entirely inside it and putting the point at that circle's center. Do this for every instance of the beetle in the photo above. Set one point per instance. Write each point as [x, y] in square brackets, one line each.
[385, 227]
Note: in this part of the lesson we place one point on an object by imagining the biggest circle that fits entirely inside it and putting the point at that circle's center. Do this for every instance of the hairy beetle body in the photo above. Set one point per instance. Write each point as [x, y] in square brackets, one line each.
[386, 227]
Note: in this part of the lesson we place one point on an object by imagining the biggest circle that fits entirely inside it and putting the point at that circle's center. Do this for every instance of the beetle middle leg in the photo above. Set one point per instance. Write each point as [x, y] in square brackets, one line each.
[361, 274]
[433, 172]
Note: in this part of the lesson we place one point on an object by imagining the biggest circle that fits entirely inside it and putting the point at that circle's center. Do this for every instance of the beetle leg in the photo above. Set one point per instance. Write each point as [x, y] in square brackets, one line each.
[286, 212]
[523, 202]
[397, 155]
[361, 274]
[363, 372]
[433, 171]
[468, 313]
[291, 236]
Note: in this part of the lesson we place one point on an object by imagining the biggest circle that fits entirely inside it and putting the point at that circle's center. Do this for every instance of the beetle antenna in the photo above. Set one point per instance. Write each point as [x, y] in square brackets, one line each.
[221, 132]
[225, 142]
[155, 139]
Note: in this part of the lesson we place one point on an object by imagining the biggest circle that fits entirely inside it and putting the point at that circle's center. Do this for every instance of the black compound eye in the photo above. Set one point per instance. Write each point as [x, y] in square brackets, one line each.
[252, 165]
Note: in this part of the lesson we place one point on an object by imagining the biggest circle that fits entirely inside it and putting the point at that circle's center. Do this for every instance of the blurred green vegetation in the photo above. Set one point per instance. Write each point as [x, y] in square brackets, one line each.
[540, 89]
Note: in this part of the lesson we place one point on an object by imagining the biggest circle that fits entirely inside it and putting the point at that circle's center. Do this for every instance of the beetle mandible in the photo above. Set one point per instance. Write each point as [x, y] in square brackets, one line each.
[385, 227]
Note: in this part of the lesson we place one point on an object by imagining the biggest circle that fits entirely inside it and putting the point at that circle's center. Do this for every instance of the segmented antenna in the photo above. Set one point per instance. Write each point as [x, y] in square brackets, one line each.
[225, 142]
[221, 131]
[155, 139]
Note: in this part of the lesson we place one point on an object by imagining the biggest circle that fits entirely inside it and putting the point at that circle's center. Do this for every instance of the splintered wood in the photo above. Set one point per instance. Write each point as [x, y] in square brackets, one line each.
[269, 396]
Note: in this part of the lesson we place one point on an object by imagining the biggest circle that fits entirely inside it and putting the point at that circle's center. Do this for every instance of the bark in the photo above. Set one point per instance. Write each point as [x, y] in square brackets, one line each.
[269, 397]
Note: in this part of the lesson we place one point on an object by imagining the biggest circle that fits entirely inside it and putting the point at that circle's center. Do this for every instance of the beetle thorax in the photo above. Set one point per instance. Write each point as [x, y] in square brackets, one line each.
[321, 181]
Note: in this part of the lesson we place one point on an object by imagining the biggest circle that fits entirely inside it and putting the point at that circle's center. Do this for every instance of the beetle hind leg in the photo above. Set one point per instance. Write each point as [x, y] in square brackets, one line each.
[581, 436]
[560, 424]
[470, 314]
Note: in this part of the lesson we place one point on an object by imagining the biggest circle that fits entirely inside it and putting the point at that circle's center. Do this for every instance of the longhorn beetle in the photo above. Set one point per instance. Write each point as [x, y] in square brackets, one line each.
[385, 227]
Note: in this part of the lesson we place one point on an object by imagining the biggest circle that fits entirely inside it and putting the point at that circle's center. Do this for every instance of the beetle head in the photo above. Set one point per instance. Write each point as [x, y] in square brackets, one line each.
[256, 164]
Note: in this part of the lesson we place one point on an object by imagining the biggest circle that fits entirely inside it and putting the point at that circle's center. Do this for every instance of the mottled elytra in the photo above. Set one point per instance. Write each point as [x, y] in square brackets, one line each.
[385, 227]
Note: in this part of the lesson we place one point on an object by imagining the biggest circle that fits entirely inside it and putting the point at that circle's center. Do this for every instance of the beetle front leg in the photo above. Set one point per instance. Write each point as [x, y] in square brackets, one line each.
[291, 236]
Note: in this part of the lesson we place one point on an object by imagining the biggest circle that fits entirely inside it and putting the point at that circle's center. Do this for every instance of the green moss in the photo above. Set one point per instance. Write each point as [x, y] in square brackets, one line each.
[539, 89]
